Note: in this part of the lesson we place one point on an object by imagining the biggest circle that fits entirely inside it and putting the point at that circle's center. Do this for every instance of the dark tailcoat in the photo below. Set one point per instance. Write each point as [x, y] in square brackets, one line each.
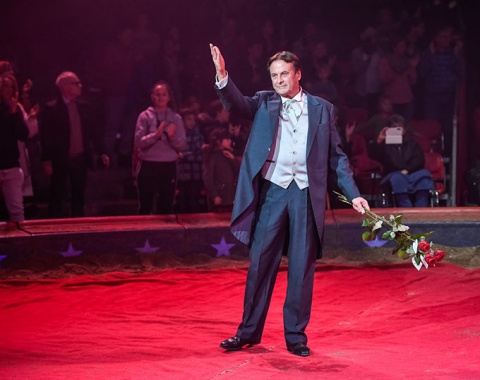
[324, 154]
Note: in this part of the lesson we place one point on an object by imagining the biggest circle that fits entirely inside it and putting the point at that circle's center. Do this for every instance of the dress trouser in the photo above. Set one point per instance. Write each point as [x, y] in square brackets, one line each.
[156, 182]
[285, 225]
[75, 170]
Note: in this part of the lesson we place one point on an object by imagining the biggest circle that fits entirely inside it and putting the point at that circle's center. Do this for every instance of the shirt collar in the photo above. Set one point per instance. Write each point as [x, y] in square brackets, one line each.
[297, 98]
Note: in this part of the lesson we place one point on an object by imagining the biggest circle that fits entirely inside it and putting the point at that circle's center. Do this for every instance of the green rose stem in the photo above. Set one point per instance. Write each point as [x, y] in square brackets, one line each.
[407, 244]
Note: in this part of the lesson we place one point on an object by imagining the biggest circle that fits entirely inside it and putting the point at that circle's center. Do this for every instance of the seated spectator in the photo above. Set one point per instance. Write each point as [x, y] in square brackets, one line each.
[12, 129]
[190, 180]
[159, 141]
[220, 171]
[372, 127]
[404, 166]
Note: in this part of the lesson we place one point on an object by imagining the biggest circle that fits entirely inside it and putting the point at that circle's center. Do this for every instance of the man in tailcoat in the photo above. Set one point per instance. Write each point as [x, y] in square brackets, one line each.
[281, 193]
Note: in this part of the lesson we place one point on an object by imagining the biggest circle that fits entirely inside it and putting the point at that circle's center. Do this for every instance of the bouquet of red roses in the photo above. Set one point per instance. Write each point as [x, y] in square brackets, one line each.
[407, 245]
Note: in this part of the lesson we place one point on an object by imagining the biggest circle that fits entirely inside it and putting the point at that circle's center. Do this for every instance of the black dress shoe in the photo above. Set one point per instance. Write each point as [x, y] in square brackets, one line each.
[299, 349]
[235, 343]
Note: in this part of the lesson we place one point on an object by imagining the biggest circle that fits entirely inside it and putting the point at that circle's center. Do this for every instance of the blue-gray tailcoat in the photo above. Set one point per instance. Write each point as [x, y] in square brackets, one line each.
[324, 151]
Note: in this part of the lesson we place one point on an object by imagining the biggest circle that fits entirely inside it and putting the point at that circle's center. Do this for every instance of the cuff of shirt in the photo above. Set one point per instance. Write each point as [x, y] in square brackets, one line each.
[221, 83]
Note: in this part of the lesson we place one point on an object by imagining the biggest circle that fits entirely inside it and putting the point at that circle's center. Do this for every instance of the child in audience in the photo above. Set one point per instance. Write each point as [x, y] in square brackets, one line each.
[220, 171]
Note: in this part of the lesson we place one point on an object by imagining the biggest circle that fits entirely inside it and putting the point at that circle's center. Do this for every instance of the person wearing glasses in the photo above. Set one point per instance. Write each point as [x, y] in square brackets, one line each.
[69, 140]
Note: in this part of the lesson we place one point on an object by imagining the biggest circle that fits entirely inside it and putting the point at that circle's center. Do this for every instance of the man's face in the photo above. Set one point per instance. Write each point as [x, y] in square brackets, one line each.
[71, 87]
[285, 80]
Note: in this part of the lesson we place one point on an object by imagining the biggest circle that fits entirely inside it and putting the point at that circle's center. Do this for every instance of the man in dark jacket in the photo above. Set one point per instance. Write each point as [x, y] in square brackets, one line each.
[281, 193]
[69, 140]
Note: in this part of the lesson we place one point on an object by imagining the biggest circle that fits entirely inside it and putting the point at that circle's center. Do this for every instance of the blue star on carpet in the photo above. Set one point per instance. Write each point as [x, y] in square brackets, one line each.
[70, 252]
[223, 248]
[147, 248]
[2, 257]
[376, 243]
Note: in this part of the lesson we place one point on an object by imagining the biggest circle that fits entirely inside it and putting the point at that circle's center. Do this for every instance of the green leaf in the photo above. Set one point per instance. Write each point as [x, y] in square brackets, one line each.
[369, 235]
[366, 222]
[386, 235]
[401, 253]
[398, 219]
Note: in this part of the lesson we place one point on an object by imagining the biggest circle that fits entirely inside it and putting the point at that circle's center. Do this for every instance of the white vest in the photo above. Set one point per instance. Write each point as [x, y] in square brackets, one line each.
[287, 160]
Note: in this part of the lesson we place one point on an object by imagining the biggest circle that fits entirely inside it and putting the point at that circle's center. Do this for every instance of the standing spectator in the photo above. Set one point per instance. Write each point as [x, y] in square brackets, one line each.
[215, 117]
[220, 171]
[190, 176]
[398, 73]
[323, 86]
[159, 140]
[10, 90]
[69, 141]
[237, 137]
[12, 129]
[365, 59]
[251, 68]
[440, 69]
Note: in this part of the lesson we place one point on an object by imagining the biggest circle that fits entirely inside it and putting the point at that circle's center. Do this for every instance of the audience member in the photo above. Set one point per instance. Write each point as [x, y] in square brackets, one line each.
[190, 169]
[238, 139]
[305, 44]
[159, 140]
[220, 171]
[372, 127]
[398, 73]
[215, 117]
[12, 129]
[404, 166]
[70, 141]
[440, 70]
[10, 91]
[323, 86]
[251, 68]
[272, 37]
[365, 59]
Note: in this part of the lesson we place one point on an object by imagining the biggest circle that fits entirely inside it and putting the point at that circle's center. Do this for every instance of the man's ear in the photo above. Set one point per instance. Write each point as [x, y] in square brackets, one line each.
[299, 74]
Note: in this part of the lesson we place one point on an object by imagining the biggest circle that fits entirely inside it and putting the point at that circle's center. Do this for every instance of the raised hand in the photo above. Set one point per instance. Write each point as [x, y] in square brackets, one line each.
[218, 61]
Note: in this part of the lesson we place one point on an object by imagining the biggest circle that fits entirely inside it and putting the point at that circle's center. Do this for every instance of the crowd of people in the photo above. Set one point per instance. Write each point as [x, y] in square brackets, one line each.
[158, 115]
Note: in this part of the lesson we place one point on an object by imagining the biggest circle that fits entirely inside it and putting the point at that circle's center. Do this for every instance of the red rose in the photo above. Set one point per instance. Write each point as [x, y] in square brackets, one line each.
[439, 255]
[435, 257]
[430, 259]
[424, 246]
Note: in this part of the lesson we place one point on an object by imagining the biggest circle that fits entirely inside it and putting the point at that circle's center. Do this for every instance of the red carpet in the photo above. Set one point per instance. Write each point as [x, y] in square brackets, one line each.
[384, 322]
